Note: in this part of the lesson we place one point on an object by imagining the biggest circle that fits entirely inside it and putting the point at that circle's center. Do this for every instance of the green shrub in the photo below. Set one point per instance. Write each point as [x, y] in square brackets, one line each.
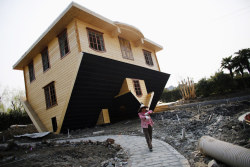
[170, 95]
[13, 117]
[242, 82]
[203, 88]
[222, 83]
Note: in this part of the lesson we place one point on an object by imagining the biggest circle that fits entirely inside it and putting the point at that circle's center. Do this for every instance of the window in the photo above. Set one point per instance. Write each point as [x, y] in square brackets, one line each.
[31, 72]
[126, 49]
[45, 59]
[63, 43]
[137, 87]
[96, 41]
[50, 95]
[148, 58]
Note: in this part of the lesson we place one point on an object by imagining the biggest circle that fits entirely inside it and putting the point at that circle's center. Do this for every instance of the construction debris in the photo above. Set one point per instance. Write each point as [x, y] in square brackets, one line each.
[18, 126]
[187, 89]
[34, 135]
[98, 132]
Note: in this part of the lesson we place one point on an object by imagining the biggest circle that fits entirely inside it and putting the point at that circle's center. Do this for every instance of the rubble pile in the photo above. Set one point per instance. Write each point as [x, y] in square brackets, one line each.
[218, 121]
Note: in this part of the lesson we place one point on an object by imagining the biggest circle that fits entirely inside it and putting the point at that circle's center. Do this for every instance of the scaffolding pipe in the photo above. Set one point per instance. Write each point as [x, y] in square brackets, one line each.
[225, 152]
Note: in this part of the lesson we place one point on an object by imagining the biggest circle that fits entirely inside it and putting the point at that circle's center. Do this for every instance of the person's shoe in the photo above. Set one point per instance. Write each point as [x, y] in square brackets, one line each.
[151, 150]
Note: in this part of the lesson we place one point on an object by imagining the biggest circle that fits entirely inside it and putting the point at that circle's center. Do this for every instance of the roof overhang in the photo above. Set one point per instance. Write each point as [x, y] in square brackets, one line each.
[129, 32]
[72, 11]
[76, 11]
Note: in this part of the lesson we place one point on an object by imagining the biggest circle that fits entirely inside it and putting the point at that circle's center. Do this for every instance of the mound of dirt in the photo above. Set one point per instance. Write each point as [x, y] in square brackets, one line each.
[84, 154]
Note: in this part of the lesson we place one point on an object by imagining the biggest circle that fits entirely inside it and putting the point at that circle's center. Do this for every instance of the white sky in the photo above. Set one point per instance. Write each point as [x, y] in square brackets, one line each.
[195, 34]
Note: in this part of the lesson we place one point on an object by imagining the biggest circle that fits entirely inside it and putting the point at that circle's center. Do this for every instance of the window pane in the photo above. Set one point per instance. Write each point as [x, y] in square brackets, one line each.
[50, 95]
[96, 40]
[31, 71]
[126, 49]
[45, 60]
[137, 87]
[148, 57]
[63, 42]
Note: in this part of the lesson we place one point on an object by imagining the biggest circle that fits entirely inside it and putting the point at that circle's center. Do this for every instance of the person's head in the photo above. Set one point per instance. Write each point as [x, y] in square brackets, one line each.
[142, 108]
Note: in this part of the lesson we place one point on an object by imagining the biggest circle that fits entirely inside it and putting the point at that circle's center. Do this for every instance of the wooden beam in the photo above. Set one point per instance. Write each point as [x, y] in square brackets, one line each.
[77, 37]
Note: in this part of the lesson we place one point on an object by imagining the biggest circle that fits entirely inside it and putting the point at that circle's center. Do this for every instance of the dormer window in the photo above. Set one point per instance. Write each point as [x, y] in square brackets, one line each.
[96, 41]
[148, 58]
[126, 49]
[137, 88]
[63, 43]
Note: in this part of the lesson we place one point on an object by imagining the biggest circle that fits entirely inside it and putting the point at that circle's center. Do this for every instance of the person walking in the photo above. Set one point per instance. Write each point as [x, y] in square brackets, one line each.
[146, 124]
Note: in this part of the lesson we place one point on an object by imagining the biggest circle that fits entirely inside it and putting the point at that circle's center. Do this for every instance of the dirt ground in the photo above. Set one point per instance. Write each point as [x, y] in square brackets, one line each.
[219, 121]
[48, 154]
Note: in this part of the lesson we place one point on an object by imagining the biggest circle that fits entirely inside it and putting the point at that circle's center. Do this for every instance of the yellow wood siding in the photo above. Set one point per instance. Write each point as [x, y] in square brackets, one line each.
[62, 72]
[112, 46]
[131, 87]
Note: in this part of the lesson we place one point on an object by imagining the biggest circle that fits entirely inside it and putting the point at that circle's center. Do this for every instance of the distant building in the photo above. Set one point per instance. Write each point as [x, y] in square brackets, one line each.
[86, 69]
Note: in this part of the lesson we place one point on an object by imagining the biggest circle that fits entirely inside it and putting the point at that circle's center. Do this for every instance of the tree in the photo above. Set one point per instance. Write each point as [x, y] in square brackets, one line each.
[244, 56]
[238, 66]
[227, 63]
[203, 87]
[10, 99]
[1, 105]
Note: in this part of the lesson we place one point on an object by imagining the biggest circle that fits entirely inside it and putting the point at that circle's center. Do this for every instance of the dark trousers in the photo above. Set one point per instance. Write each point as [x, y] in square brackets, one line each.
[148, 135]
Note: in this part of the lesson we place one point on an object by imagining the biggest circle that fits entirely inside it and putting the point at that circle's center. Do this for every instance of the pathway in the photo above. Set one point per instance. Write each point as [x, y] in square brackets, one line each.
[163, 154]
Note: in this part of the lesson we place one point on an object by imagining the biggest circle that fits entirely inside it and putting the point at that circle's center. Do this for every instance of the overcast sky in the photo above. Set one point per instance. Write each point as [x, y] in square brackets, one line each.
[195, 34]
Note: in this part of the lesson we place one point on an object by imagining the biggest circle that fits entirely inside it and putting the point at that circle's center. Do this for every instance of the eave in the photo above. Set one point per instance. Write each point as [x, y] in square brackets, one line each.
[76, 11]
[72, 11]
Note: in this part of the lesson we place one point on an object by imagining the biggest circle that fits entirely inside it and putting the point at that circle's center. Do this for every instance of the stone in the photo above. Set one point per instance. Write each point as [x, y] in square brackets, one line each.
[213, 163]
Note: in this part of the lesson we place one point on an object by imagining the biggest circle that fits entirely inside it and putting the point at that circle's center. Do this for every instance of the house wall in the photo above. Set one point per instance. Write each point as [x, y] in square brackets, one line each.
[112, 46]
[62, 71]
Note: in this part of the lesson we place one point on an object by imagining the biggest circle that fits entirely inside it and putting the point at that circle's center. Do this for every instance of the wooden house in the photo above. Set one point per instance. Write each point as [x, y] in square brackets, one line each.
[86, 69]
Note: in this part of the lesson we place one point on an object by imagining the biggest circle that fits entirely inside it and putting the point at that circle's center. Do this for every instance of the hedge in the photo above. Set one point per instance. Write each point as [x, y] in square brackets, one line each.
[13, 117]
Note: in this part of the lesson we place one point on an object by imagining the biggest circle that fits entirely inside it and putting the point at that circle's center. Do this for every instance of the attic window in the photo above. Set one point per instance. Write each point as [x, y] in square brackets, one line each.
[148, 58]
[96, 41]
[31, 72]
[137, 87]
[50, 95]
[45, 59]
[126, 49]
[63, 43]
